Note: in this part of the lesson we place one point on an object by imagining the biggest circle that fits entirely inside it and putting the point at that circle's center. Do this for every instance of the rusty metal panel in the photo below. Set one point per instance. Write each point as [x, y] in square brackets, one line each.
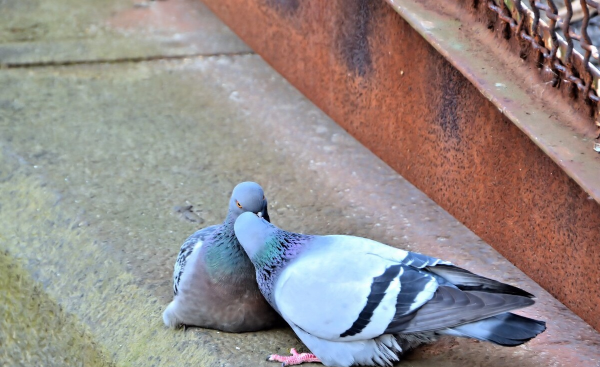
[446, 128]
[515, 85]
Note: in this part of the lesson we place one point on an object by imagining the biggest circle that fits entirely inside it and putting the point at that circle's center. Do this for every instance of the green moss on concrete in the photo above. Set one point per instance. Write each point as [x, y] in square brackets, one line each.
[80, 275]
[103, 155]
[37, 20]
[34, 330]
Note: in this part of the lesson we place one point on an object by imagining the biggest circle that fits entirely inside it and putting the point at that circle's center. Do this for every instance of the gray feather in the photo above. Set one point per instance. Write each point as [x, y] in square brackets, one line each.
[185, 251]
[467, 281]
[506, 329]
[452, 307]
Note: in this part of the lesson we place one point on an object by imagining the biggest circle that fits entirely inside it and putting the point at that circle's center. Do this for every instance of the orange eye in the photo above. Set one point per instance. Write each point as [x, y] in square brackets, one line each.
[238, 204]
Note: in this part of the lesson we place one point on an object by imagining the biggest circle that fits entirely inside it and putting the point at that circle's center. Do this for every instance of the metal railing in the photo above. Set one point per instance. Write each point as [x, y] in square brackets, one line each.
[561, 40]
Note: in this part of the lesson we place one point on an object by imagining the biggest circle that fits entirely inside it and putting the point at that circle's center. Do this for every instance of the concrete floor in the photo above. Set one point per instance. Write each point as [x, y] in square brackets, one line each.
[113, 114]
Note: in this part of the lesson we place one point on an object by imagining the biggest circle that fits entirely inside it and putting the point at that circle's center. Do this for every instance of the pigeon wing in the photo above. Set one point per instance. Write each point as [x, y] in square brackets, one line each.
[452, 307]
[349, 288]
[193, 242]
[462, 297]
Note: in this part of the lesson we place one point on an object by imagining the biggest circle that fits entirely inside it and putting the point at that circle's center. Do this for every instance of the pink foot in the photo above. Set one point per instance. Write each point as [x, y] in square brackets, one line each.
[295, 358]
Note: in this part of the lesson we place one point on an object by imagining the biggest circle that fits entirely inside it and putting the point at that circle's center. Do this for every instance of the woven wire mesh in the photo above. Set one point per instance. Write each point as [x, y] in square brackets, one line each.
[564, 35]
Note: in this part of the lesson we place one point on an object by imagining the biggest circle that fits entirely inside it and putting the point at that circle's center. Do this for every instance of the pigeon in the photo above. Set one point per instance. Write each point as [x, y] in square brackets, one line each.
[352, 300]
[214, 282]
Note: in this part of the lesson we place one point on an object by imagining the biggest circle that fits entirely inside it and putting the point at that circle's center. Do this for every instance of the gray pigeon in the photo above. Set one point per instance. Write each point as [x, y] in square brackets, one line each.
[352, 300]
[214, 282]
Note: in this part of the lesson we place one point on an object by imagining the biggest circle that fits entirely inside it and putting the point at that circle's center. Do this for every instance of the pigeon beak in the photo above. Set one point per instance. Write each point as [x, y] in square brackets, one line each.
[259, 214]
[265, 213]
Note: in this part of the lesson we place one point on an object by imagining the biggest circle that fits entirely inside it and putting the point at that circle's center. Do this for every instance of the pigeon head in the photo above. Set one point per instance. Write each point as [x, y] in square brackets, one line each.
[248, 197]
[253, 233]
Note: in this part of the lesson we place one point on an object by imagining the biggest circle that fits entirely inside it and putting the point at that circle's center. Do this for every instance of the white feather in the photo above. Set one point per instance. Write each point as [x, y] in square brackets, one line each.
[197, 245]
[425, 295]
[382, 350]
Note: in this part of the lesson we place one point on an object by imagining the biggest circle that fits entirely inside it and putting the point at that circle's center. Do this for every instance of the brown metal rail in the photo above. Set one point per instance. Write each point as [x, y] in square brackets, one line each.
[478, 127]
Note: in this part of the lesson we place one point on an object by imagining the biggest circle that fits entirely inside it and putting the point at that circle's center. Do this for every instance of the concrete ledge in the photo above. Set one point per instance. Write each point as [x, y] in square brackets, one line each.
[374, 74]
[35, 33]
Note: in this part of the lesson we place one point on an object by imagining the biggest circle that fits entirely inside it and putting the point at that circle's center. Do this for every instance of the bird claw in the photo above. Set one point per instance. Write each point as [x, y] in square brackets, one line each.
[294, 359]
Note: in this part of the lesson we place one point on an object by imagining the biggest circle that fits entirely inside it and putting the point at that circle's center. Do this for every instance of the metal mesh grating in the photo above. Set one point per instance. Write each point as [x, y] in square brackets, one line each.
[560, 36]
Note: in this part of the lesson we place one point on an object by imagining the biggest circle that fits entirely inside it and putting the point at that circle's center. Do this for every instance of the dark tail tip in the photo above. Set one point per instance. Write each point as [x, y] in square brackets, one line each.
[506, 329]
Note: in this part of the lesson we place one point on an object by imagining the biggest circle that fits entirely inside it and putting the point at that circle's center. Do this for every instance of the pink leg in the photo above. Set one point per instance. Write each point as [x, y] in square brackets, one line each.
[295, 358]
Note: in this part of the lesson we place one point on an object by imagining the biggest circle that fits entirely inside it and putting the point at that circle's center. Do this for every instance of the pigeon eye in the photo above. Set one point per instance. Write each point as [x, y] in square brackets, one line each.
[238, 204]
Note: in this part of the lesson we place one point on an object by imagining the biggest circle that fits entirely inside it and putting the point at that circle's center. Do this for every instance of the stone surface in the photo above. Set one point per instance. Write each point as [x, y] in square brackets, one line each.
[34, 32]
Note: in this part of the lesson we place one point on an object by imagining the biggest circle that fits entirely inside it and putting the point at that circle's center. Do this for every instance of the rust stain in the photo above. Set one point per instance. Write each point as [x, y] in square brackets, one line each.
[446, 108]
[353, 41]
[285, 7]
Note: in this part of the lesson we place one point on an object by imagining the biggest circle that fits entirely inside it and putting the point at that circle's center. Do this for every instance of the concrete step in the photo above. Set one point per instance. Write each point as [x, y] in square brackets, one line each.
[34, 33]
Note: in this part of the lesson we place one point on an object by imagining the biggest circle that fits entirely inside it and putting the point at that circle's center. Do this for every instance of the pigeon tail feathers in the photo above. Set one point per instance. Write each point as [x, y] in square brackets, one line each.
[169, 317]
[506, 329]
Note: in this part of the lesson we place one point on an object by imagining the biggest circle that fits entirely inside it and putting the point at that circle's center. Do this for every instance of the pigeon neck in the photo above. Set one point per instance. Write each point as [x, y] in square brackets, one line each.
[281, 248]
[225, 257]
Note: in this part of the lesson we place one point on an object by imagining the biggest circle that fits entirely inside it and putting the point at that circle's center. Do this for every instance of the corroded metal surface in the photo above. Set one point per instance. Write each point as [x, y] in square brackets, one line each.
[515, 87]
[375, 75]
